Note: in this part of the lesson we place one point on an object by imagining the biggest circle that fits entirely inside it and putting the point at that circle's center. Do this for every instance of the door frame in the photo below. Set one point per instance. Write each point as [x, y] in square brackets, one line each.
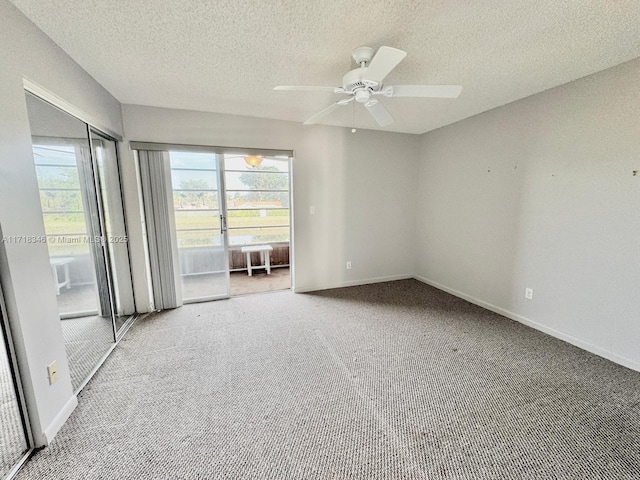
[14, 370]
[289, 162]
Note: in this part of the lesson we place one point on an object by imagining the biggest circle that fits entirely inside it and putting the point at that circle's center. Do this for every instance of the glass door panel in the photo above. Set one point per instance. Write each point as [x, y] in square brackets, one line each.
[257, 198]
[200, 225]
[258, 205]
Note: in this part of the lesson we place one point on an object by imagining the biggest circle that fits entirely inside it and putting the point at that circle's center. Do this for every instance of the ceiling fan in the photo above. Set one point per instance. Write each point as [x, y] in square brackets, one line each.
[365, 83]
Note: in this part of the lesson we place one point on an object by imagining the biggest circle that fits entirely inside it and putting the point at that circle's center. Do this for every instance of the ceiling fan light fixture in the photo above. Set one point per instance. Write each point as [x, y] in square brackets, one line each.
[253, 160]
[362, 96]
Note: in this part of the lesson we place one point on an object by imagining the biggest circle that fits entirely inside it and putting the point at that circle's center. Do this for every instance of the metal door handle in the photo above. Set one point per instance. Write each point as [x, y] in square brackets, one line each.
[223, 224]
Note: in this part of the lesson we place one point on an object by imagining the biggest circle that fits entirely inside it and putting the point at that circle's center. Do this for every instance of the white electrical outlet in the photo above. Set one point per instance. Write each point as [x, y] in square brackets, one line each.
[349, 265]
[52, 372]
[528, 293]
[312, 210]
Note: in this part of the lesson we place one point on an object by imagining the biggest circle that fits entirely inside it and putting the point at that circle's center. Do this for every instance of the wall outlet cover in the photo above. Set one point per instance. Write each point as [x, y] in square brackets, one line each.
[52, 372]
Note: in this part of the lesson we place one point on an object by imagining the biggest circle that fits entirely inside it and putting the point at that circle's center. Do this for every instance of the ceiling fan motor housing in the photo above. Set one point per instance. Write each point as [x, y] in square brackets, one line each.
[353, 82]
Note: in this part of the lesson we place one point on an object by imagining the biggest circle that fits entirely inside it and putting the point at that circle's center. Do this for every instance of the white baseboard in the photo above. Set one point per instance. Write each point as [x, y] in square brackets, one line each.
[351, 283]
[625, 362]
[59, 420]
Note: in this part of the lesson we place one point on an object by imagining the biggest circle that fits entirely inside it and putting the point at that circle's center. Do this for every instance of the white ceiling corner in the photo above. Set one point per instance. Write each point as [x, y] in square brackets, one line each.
[226, 56]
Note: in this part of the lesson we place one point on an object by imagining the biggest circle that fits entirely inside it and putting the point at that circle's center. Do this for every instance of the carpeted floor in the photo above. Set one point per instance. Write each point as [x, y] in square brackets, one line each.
[389, 381]
[86, 340]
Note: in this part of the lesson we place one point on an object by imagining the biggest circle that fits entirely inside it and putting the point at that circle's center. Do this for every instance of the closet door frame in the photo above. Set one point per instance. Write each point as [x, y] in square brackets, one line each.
[5, 334]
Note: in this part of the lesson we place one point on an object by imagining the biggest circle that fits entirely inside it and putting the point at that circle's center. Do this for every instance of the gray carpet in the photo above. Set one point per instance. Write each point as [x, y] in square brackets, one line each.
[390, 381]
[86, 340]
[12, 440]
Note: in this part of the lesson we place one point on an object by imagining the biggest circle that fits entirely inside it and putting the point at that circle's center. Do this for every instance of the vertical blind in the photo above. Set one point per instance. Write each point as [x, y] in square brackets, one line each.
[155, 174]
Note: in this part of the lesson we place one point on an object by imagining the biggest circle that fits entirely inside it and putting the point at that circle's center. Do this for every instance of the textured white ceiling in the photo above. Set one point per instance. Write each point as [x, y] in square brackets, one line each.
[227, 55]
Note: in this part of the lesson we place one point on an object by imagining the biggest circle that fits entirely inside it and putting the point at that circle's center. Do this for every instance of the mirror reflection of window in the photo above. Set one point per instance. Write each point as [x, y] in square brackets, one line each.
[80, 196]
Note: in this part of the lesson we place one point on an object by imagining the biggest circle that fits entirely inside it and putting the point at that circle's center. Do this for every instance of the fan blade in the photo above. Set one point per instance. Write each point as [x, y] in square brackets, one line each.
[379, 112]
[430, 91]
[385, 60]
[328, 110]
[305, 88]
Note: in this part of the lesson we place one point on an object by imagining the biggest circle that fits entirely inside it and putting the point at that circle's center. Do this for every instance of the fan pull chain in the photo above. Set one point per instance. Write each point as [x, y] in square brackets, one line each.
[353, 118]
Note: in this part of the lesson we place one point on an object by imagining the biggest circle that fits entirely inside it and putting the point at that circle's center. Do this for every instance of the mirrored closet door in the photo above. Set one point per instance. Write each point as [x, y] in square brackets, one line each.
[77, 172]
[110, 197]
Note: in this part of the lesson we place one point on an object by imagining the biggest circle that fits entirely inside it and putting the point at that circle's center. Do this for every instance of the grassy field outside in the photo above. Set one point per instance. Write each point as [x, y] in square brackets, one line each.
[67, 233]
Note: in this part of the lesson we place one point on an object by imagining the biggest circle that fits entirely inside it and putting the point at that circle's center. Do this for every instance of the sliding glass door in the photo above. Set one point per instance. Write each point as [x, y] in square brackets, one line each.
[200, 220]
[218, 221]
[230, 208]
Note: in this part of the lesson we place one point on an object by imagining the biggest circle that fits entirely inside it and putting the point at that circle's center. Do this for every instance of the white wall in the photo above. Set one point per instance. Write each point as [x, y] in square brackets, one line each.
[361, 185]
[26, 53]
[541, 193]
